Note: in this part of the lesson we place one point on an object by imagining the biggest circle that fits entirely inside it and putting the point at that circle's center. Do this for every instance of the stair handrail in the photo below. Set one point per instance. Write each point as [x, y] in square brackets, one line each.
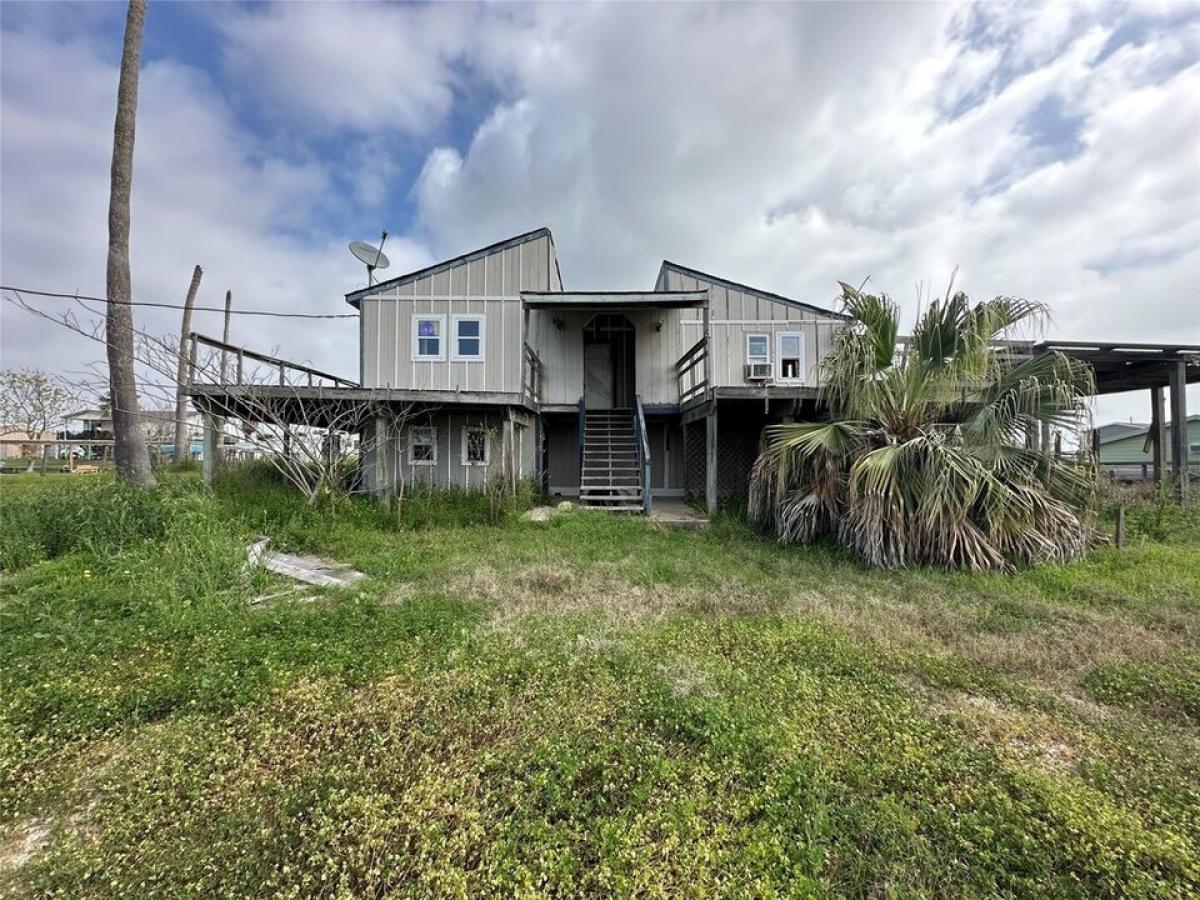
[643, 450]
[582, 438]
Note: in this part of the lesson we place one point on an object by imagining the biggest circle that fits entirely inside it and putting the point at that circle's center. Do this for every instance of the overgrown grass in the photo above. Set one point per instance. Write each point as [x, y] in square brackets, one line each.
[586, 706]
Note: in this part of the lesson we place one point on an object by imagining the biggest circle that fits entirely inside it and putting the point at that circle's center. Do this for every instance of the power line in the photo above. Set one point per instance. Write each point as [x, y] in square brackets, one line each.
[220, 309]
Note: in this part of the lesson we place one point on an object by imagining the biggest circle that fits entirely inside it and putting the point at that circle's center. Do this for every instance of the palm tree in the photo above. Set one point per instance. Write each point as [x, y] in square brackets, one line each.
[928, 458]
[129, 450]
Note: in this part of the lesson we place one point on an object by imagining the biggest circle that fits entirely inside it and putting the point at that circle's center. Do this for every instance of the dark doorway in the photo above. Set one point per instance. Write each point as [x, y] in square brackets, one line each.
[608, 362]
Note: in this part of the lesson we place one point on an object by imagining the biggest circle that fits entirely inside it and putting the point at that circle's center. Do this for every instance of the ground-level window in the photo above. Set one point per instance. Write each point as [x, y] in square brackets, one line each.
[468, 338]
[758, 349]
[427, 336]
[476, 446]
[422, 445]
[789, 348]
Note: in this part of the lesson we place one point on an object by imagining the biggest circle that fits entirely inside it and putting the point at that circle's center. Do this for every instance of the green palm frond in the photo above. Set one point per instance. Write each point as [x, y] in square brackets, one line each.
[930, 463]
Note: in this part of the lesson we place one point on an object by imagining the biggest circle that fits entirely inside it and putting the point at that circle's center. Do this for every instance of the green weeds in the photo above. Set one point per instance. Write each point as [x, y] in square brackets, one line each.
[589, 706]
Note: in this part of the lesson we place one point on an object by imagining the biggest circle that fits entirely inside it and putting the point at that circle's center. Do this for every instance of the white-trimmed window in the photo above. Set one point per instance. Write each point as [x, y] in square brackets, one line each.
[468, 334]
[422, 445]
[758, 348]
[476, 448]
[428, 337]
[789, 350]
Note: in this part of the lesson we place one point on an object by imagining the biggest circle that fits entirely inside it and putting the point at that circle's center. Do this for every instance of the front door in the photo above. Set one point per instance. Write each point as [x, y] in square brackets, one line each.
[597, 375]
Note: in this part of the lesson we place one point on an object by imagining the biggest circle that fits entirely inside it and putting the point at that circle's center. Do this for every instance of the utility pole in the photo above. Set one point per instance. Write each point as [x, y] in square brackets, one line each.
[181, 430]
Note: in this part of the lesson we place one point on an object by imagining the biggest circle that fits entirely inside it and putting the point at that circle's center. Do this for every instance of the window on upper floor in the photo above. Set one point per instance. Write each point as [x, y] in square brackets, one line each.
[789, 349]
[422, 445]
[427, 337]
[758, 348]
[468, 336]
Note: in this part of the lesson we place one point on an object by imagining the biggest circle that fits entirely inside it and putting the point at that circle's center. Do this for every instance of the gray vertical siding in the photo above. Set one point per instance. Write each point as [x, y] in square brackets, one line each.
[737, 313]
[490, 285]
[449, 470]
[487, 285]
[655, 352]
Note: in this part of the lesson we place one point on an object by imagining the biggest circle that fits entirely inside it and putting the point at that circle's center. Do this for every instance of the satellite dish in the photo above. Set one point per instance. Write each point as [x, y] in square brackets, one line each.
[372, 257]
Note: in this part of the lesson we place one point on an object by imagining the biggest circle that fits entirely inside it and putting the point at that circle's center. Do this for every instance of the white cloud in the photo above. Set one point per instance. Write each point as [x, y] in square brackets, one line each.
[203, 193]
[785, 146]
[790, 147]
[368, 67]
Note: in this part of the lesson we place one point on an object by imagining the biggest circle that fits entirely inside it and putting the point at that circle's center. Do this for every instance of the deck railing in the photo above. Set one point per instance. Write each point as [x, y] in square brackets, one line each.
[691, 372]
[643, 448]
[250, 367]
[533, 376]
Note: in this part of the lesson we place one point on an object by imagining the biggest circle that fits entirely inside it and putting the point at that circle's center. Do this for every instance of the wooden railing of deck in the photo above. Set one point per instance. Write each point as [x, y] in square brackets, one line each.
[691, 372]
[643, 446]
[533, 376]
[290, 374]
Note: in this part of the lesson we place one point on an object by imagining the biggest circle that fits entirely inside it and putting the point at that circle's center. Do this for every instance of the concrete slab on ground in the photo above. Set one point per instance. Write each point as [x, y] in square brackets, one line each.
[674, 512]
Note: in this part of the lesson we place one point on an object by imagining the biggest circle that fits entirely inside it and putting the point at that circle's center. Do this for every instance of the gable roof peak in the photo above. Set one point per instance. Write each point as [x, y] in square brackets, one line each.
[352, 297]
[745, 288]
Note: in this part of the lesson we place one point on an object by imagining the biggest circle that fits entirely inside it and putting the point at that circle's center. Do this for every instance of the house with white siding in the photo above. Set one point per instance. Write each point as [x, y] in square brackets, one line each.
[614, 397]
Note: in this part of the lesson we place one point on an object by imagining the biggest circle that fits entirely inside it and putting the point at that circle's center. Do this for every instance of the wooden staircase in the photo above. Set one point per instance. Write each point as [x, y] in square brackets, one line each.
[611, 465]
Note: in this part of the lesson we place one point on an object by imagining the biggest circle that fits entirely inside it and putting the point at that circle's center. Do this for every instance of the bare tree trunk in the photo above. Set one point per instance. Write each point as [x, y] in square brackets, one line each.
[132, 460]
[182, 442]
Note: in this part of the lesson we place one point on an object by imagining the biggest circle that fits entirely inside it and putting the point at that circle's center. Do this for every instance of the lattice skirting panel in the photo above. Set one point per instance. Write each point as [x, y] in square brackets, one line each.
[736, 453]
[693, 458]
[737, 449]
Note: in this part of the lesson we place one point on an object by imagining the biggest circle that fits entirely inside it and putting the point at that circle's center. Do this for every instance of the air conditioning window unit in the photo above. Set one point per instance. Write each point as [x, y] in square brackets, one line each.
[759, 371]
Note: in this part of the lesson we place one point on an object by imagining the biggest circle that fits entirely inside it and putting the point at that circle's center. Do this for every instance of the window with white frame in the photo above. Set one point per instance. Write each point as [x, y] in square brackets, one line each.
[428, 336]
[468, 336]
[758, 348]
[789, 350]
[476, 448]
[422, 445]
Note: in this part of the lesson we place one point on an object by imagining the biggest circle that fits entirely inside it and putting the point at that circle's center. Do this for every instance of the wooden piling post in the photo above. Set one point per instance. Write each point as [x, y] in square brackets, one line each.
[1158, 433]
[710, 458]
[1179, 424]
[1121, 526]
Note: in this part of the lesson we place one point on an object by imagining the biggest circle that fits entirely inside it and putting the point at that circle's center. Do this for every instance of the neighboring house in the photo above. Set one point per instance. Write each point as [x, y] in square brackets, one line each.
[1125, 449]
[14, 442]
[597, 394]
[92, 424]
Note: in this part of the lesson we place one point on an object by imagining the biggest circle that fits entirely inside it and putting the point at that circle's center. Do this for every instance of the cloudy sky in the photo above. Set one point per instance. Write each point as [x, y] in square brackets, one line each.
[1050, 152]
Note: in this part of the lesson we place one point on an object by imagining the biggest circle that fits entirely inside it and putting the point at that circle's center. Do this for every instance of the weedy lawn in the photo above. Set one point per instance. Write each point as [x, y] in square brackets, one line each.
[587, 706]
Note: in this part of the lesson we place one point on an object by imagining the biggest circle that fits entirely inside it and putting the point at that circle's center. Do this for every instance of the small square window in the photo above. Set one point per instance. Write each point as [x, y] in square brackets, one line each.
[790, 349]
[422, 445]
[427, 337]
[468, 338]
[476, 449]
